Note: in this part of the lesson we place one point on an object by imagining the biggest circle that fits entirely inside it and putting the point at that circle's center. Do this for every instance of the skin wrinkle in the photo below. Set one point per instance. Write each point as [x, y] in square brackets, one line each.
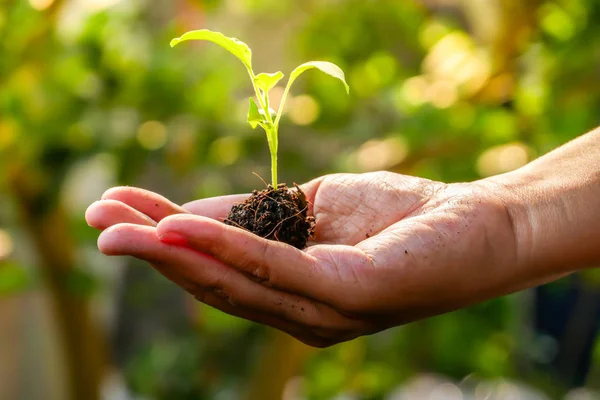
[448, 236]
[519, 232]
[387, 194]
[490, 243]
[547, 211]
[418, 208]
[258, 271]
[356, 282]
[384, 247]
[396, 235]
[333, 261]
[400, 198]
[333, 265]
[218, 286]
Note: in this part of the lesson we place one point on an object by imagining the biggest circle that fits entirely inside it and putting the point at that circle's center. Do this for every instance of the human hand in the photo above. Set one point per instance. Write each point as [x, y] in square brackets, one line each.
[389, 249]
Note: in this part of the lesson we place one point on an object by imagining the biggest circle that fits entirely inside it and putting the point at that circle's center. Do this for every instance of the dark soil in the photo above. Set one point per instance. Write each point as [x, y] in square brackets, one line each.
[279, 215]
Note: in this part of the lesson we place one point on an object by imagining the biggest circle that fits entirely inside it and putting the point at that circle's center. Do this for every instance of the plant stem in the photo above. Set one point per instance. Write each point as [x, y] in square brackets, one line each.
[271, 130]
[282, 103]
[256, 91]
[273, 147]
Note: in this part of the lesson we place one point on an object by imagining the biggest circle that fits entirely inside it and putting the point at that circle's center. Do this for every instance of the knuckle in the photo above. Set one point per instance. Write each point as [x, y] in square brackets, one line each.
[222, 294]
[256, 272]
[200, 294]
[261, 270]
[256, 267]
[324, 333]
[353, 306]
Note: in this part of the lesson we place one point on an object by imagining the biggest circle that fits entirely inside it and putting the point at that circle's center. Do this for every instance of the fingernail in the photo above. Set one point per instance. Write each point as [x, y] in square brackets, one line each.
[172, 238]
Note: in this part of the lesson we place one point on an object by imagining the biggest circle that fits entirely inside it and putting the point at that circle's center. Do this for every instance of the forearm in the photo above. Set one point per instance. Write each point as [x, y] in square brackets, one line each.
[554, 205]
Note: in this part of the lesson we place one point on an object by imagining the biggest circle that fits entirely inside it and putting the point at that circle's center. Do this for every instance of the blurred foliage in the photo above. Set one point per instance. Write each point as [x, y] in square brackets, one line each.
[91, 96]
[13, 278]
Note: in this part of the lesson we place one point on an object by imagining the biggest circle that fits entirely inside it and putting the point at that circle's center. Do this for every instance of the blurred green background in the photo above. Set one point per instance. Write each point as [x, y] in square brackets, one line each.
[91, 96]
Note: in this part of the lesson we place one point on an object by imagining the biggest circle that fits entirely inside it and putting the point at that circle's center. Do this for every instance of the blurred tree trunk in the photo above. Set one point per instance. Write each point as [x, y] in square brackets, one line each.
[282, 360]
[505, 25]
[46, 223]
[10, 345]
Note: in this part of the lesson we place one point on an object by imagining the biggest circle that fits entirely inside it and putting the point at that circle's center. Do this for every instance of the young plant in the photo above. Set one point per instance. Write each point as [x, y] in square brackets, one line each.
[275, 213]
[262, 115]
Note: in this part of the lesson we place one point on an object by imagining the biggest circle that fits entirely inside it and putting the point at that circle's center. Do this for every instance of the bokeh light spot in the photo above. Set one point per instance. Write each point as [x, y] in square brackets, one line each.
[432, 32]
[98, 5]
[501, 159]
[414, 90]
[442, 94]
[380, 68]
[304, 110]
[457, 58]
[41, 5]
[152, 135]
[212, 185]
[275, 96]
[557, 22]
[377, 154]
[226, 150]
[6, 244]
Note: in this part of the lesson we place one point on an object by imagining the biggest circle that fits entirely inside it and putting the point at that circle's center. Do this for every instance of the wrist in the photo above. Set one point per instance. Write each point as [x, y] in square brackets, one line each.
[553, 205]
[511, 190]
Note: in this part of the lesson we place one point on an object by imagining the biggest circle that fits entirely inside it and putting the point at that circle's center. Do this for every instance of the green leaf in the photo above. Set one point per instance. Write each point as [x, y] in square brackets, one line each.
[233, 45]
[266, 82]
[325, 66]
[254, 116]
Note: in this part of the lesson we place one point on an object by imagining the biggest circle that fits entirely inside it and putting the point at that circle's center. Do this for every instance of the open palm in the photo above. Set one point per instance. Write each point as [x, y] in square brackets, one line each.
[389, 249]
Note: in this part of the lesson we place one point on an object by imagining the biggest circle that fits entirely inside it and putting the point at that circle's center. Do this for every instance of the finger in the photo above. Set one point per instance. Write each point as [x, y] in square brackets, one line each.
[105, 213]
[215, 207]
[152, 204]
[238, 248]
[199, 273]
[121, 242]
[325, 277]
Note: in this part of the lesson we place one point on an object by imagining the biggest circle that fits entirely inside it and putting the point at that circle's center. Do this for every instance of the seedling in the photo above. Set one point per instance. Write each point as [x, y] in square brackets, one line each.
[281, 221]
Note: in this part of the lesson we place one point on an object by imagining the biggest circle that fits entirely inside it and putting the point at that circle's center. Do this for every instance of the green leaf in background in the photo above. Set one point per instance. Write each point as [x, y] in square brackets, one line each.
[254, 116]
[325, 66]
[266, 82]
[13, 279]
[233, 45]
